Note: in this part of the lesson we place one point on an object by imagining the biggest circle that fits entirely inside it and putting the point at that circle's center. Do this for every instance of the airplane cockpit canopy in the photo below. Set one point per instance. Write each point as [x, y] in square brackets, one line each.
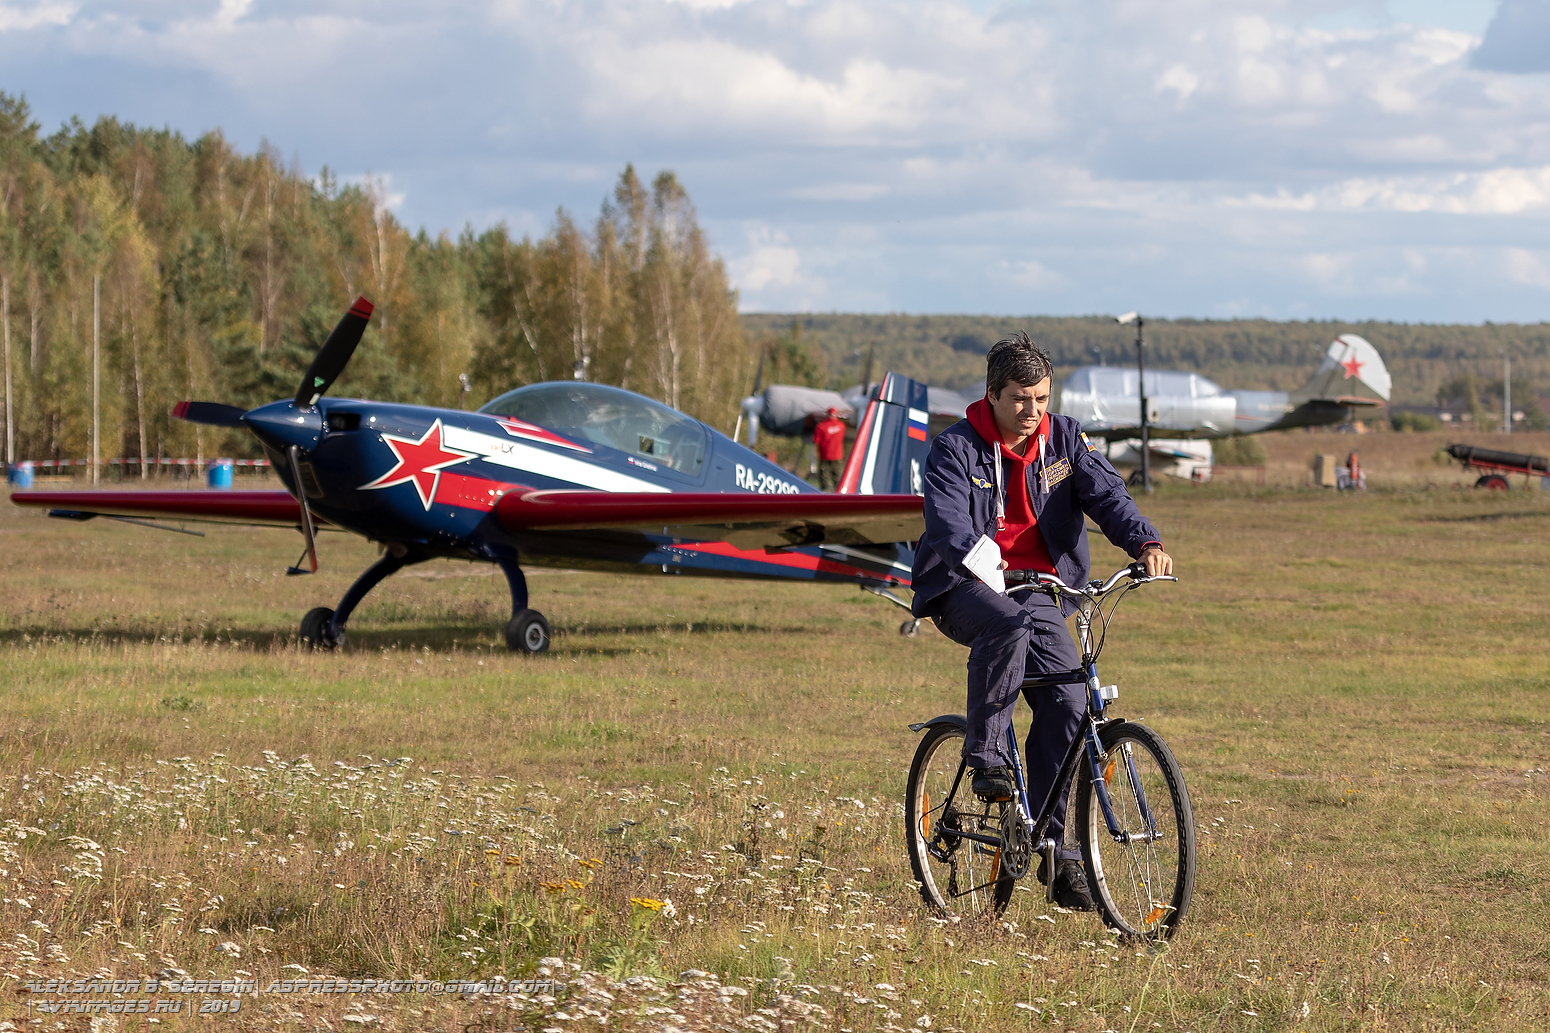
[1118, 382]
[611, 417]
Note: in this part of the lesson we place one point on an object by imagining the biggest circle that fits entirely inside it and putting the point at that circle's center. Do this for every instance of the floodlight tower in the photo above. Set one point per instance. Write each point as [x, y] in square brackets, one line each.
[1506, 392]
[1146, 452]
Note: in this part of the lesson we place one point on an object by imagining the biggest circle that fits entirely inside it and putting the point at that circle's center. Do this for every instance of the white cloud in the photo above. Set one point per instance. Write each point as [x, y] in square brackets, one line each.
[770, 271]
[1505, 191]
[1530, 268]
[1027, 273]
[20, 17]
[1180, 80]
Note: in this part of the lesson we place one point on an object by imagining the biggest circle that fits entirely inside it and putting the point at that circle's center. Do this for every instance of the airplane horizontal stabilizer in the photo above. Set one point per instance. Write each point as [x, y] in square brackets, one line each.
[262, 508]
[743, 520]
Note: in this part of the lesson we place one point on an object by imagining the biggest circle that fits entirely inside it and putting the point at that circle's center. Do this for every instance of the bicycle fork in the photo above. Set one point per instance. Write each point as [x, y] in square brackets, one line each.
[1087, 743]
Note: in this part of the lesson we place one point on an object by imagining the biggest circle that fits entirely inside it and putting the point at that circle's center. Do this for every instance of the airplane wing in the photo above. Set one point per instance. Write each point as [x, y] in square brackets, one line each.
[264, 508]
[743, 520]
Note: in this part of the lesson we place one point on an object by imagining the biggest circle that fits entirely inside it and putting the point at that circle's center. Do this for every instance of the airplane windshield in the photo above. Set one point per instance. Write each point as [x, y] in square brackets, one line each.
[610, 417]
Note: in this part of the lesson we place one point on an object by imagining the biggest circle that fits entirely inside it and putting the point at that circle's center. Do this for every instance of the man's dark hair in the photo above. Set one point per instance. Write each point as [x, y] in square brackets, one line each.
[1015, 357]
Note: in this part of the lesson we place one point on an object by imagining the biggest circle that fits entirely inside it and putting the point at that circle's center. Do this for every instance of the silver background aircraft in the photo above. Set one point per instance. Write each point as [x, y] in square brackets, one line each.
[1185, 405]
[1185, 411]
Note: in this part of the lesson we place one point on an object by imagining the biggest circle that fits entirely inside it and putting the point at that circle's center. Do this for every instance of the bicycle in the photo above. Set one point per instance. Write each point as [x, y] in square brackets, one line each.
[1133, 816]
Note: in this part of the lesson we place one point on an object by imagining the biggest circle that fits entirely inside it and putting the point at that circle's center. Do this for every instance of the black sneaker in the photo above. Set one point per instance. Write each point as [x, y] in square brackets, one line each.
[992, 784]
[1070, 884]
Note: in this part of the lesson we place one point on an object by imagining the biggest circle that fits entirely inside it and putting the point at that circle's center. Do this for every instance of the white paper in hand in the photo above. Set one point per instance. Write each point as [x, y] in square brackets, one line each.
[984, 562]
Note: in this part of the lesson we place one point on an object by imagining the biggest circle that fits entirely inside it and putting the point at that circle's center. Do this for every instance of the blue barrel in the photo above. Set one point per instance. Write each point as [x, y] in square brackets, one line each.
[218, 473]
[20, 474]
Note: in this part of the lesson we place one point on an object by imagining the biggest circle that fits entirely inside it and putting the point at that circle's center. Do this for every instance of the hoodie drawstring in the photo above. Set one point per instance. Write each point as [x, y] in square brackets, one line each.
[1001, 486]
[1000, 492]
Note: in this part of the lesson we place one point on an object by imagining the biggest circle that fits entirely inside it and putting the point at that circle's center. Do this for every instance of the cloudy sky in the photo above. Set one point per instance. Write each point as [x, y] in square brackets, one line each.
[1212, 158]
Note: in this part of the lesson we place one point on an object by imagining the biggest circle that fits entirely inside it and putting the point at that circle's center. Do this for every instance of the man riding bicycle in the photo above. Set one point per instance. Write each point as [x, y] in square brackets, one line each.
[1027, 479]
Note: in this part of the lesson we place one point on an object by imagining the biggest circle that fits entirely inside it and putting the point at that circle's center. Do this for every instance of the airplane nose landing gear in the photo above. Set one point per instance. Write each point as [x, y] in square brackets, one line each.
[528, 632]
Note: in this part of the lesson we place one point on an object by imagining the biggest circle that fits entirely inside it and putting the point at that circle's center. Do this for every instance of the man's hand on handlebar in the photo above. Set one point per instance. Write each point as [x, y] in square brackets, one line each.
[1155, 562]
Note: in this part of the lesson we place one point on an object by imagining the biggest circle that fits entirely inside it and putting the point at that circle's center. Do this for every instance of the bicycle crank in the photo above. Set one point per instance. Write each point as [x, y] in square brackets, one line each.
[1016, 843]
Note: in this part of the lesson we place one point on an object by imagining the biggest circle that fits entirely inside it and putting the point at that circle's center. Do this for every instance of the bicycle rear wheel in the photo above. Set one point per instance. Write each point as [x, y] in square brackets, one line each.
[1143, 884]
[957, 876]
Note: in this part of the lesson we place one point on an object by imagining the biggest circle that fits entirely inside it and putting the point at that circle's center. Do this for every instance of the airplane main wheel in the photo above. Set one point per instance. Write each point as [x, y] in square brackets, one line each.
[910, 628]
[314, 630]
[1493, 482]
[528, 632]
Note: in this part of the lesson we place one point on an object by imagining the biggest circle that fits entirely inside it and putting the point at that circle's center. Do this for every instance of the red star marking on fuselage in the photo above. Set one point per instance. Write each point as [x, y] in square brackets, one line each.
[419, 462]
[1352, 367]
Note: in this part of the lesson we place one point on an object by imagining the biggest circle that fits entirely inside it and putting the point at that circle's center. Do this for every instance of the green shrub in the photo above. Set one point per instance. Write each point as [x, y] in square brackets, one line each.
[1414, 421]
[1239, 451]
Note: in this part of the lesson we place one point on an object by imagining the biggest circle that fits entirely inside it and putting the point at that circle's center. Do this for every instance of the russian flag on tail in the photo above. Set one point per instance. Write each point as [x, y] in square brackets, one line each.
[889, 455]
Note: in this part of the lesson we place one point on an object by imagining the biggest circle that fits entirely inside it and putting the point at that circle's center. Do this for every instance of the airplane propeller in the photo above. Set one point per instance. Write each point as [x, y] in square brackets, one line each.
[332, 358]
[214, 414]
[326, 367]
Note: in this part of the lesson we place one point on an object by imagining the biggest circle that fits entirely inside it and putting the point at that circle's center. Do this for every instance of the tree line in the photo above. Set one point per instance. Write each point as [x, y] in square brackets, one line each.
[144, 268]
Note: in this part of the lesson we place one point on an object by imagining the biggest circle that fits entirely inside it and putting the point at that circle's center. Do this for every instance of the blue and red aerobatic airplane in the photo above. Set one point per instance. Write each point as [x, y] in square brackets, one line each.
[569, 474]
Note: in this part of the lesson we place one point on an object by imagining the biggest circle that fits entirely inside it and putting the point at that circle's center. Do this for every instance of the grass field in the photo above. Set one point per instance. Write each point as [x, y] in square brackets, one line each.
[1355, 686]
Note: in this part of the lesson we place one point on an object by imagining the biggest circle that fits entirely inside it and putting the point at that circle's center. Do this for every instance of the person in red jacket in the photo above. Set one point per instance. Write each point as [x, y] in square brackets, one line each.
[829, 440]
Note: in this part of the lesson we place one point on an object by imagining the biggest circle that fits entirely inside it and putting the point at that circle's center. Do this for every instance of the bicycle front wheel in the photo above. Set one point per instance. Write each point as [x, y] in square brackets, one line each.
[1142, 874]
[956, 875]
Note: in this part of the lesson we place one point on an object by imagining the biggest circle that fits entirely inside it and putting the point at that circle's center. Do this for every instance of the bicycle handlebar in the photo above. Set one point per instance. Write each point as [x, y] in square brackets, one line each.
[1052, 585]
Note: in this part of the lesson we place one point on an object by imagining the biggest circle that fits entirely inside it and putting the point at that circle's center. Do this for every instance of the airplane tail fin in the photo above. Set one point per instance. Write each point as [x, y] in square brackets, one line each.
[889, 456]
[1351, 374]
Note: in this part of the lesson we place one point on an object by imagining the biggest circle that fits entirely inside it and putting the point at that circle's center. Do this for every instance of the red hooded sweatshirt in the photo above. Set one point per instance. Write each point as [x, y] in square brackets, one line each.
[1022, 544]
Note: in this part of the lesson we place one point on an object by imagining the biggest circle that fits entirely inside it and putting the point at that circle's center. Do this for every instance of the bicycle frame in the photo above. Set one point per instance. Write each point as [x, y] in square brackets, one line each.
[1087, 742]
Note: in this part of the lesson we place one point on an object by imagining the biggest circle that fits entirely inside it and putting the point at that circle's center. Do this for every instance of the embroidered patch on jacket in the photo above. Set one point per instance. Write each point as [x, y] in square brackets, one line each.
[980, 482]
[1056, 472]
[1090, 446]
